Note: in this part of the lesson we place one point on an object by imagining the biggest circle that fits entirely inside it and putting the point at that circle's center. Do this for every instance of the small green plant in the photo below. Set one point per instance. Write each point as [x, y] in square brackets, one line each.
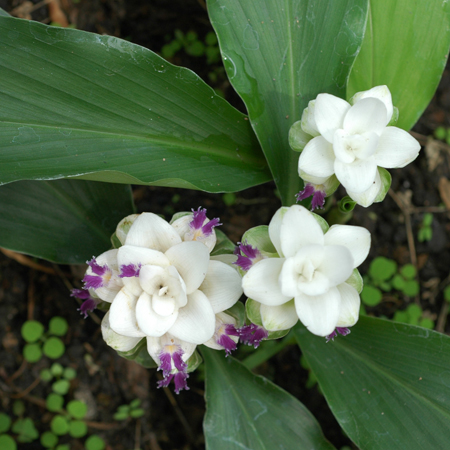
[443, 134]
[384, 275]
[132, 410]
[193, 46]
[425, 231]
[413, 315]
[447, 294]
[40, 342]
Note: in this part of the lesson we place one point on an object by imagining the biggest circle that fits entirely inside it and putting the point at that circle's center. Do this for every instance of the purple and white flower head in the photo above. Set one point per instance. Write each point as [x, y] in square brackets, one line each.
[226, 335]
[197, 227]
[353, 142]
[247, 255]
[313, 277]
[166, 290]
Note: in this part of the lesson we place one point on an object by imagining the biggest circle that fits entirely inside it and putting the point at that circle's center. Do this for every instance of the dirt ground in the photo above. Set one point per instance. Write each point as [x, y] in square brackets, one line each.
[104, 380]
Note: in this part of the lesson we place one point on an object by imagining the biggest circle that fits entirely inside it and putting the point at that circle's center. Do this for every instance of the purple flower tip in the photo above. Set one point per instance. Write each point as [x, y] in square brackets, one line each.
[247, 255]
[89, 303]
[225, 341]
[96, 268]
[181, 382]
[207, 229]
[87, 306]
[252, 334]
[199, 218]
[318, 196]
[130, 270]
[82, 294]
[343, 331]
[170, 359]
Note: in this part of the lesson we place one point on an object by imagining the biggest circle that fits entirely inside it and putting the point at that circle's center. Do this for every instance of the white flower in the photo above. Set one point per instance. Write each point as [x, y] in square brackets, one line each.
[313, 269]
[163, 288]
[353, 143]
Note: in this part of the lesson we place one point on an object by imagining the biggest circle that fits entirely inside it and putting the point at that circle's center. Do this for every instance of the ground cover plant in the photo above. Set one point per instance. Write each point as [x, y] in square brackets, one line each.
[327, 103]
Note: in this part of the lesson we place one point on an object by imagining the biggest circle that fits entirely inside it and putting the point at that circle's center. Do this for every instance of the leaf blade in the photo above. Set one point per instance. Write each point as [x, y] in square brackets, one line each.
[245, 411]
[63, 221]
[278, 56]
[88, 105]
[385, 383]
[406, 48]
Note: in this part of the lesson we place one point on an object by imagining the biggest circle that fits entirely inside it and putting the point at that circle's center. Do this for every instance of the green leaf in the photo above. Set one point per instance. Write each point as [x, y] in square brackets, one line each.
[279, 55]
[77, 409]
[59, 425]
[61, 387]
[94, 443]
[5, 422]
[54, 348]
[6, 441]
[386, 383]
[64, 221]
[32, 352]
[48, 439]
[104, 109]
[54, 402]
[32, 330]
[58, 326]
[77, 428]
[245, 411]
[405, 47]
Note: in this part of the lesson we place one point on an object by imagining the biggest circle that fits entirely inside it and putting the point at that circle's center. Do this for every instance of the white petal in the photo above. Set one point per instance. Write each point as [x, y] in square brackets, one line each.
[347, 147]
[299, 228]
[115, 284]
[350, 303]
[182, 225]
[337, 264]
[317, 158]
[129, 254]
[222, 285]
[308, 120]
[150, 231]
[367, 197]
[117, 341]
[191, 260]
[368, 114]
[261, 282]
[319, 314]
[124, 226]
[122, 314]
[381, 93]
[275, 229]
[196, 321]
[151, 323]
[356, 239]
[156, 344]
[396, 148]
[282, 317]
[357, 176]
[329, 114]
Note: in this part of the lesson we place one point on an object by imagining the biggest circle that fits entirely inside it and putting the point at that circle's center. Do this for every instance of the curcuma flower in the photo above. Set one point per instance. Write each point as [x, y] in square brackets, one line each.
[166, 288]
[313, 277]
[351, 141]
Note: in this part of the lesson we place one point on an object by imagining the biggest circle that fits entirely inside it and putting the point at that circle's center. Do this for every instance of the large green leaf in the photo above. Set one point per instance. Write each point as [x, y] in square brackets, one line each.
[97, 107]
[245, 411]
[388, 384]
[64, 221]
[405, 47]
[279, 54]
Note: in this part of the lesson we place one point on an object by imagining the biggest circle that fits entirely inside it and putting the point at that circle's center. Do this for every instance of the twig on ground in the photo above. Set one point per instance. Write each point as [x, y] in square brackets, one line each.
[137, 435]
[406, 210]
[27, 261]
[178, 411]
[27, 390]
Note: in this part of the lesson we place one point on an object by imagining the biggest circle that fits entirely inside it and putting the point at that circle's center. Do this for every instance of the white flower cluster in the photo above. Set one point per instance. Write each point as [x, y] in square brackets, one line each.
[353, 143]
